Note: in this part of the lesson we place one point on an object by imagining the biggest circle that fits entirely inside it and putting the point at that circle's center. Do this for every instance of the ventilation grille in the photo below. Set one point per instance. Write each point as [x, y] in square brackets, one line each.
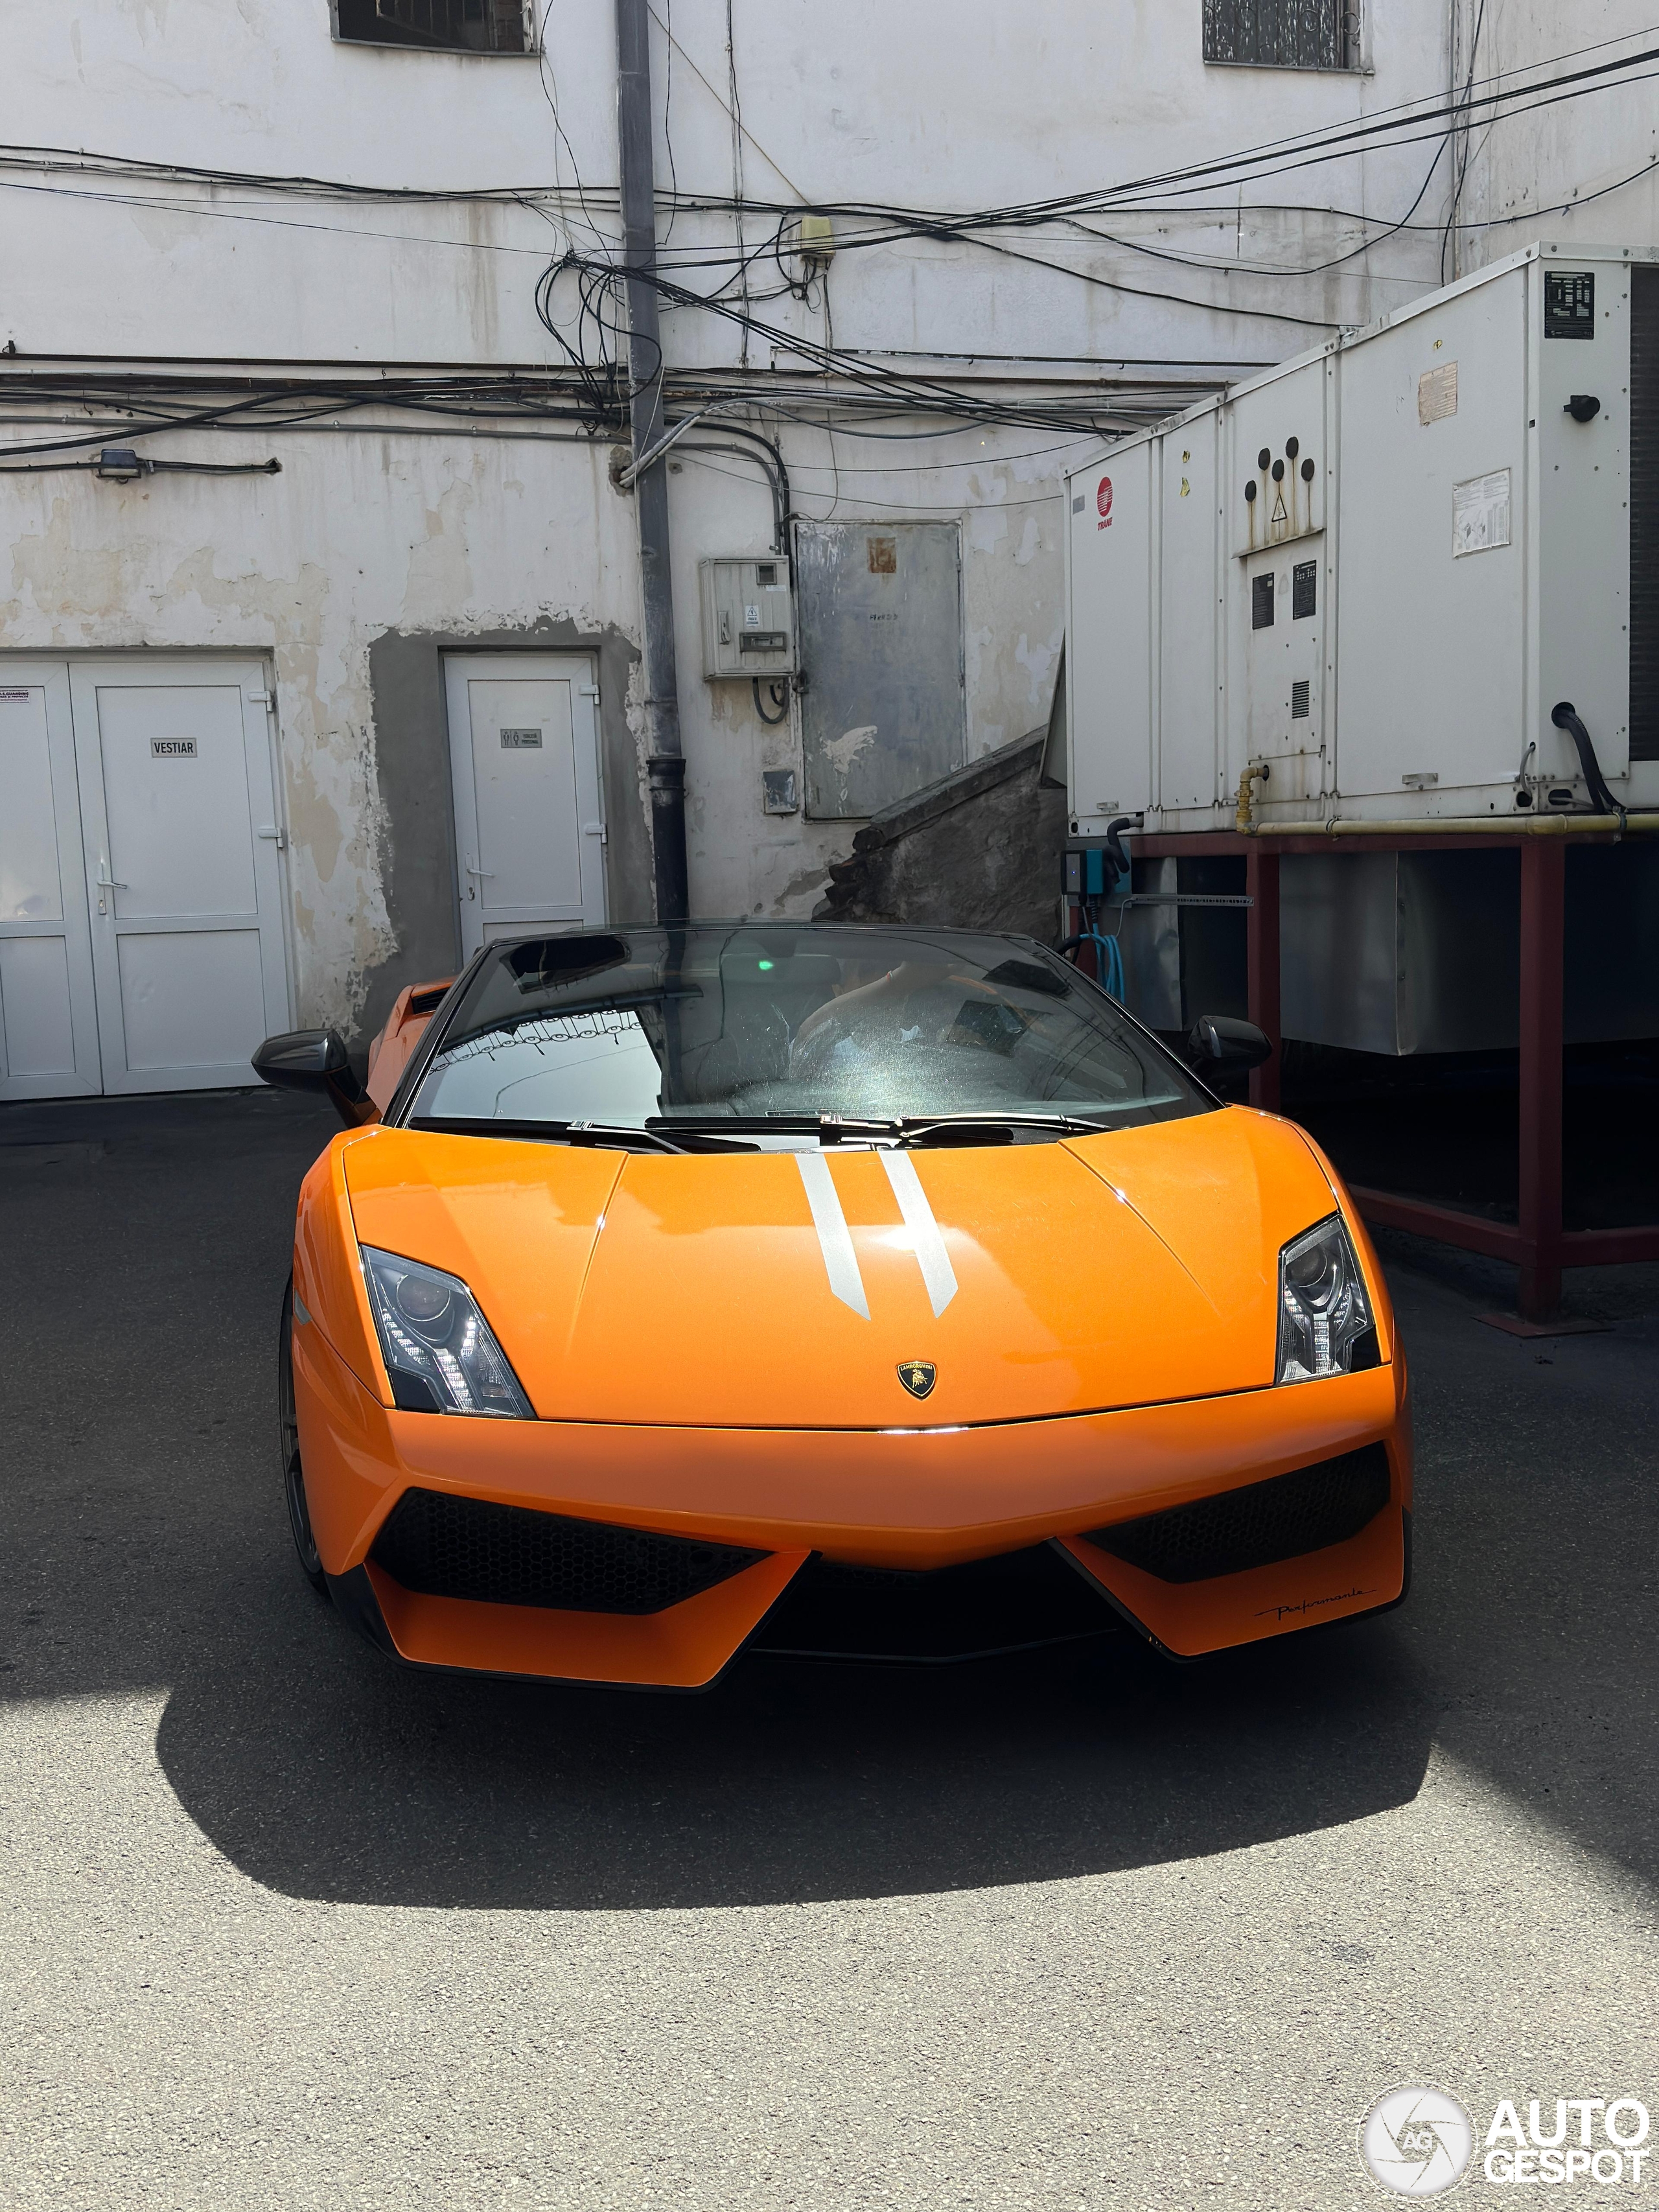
[1644, 514]
[464, 1547]
[1299, 691]
[1254, 1527]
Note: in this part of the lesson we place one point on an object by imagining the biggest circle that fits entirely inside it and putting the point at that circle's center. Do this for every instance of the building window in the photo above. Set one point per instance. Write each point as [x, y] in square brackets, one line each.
[1308, 34]
[450, 27]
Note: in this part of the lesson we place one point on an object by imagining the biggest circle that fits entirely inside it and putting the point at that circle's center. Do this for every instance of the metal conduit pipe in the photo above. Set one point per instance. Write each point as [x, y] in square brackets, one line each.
[664, 760]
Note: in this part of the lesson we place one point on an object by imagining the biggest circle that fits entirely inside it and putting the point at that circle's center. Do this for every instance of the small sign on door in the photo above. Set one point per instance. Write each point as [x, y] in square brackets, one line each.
[173, 748]
[521, 741]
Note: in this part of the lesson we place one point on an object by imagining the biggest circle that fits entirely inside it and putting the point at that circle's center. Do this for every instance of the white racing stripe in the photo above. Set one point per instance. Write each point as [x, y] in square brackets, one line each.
[928, 1244]
[841, 1261]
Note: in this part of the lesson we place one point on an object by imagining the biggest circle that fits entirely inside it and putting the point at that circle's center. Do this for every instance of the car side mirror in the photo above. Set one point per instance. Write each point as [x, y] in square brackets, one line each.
[316, 1060]
[1218, 1046]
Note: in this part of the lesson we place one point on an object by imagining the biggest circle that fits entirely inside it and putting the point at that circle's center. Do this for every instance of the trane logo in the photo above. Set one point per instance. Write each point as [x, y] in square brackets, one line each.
[173, 748]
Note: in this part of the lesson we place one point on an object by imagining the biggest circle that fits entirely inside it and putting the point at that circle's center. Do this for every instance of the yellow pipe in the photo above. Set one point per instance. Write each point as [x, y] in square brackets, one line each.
[1493, 826]
[1243, 810]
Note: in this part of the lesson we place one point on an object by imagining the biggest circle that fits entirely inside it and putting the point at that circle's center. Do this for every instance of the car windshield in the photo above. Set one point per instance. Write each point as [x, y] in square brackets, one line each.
[757, 1025]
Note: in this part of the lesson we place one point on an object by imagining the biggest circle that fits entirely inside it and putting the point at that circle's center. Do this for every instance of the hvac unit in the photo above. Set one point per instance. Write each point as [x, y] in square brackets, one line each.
[1370, 583]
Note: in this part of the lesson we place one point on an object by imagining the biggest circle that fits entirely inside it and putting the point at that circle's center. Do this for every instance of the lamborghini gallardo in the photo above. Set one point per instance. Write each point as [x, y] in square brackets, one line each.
[880, 1292]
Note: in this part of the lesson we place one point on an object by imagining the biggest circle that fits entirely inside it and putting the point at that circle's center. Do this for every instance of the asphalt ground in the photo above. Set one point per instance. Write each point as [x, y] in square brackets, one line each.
[282, 1925]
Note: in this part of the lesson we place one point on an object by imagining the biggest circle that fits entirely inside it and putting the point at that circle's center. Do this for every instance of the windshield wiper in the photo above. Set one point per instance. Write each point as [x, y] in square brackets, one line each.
[552, 1132]
[827, 1128]
[922, 1127]
[901, 1129]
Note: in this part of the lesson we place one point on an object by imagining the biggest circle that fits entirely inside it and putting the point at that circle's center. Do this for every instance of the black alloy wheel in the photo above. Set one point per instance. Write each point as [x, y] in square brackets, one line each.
[288, 1440]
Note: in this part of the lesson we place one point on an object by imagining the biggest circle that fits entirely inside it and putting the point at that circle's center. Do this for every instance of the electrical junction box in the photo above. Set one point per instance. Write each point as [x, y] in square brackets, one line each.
[1364, 579]
[748, 617]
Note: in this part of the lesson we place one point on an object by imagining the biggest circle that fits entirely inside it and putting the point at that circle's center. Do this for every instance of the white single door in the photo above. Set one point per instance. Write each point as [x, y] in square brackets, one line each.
[48, 1017]
[180, 832]
[529, 835]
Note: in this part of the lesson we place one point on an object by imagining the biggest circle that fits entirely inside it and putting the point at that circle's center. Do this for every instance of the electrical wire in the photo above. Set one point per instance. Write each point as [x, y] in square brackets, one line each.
[772, 721]
[589, 385]
[1284, 154]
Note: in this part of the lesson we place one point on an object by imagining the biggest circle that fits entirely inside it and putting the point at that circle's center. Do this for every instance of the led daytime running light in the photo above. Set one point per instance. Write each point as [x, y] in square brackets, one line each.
[438, 1351]
[1323, 1311]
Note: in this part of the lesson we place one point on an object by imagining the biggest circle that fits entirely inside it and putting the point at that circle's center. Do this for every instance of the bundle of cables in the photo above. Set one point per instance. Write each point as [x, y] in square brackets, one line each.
[1107, 951]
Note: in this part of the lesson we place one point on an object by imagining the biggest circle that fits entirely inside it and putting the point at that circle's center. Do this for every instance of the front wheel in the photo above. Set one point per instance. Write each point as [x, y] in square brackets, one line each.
[288, 1441]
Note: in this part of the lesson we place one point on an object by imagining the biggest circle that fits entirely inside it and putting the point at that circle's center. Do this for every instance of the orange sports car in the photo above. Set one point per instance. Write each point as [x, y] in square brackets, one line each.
[860, 1290]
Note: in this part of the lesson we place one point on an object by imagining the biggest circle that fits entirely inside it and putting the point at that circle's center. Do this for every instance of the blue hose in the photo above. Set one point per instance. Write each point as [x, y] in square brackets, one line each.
[1109, 960]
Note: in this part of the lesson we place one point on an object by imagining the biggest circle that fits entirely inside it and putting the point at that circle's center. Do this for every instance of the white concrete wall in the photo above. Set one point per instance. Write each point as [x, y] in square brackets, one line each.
[447, 536]
[926, 107]
[1583, 171]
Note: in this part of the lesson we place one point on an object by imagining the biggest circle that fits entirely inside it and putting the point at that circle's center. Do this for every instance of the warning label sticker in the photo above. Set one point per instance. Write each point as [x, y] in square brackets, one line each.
[1436, 393]
[1480, 514]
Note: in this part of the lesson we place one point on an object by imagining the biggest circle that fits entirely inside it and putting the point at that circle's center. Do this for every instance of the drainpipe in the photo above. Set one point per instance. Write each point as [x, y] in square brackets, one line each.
[664, 762]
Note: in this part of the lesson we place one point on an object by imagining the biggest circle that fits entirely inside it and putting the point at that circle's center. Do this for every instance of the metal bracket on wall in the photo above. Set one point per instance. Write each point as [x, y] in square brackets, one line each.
[1183, 898]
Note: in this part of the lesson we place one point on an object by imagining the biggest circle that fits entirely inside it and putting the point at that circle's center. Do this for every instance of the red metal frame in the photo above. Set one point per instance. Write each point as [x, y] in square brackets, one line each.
[1537, 1245]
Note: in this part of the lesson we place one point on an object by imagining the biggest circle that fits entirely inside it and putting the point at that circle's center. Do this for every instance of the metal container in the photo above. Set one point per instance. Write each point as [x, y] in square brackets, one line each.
[1410, 952]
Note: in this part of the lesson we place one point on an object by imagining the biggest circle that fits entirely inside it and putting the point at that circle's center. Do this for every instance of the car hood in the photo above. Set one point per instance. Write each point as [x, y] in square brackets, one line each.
[778, 1289]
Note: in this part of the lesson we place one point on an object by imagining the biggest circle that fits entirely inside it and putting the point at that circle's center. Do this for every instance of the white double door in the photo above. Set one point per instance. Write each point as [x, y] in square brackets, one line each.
[141, 930]
[529, 831]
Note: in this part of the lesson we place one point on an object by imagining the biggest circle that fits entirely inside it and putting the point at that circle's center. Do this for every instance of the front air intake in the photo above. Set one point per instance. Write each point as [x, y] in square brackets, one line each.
[1256, 1526]
[466, 1547]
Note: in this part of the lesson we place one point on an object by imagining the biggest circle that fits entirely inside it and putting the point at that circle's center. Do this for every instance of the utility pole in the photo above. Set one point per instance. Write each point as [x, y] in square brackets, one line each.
[664, 762]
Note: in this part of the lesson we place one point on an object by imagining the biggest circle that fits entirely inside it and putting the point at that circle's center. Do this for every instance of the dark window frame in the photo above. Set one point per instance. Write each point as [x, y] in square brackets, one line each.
[413, 43]
[1256, 34]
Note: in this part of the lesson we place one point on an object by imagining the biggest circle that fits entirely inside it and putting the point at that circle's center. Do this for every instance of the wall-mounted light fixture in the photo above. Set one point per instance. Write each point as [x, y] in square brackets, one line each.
[120, 464]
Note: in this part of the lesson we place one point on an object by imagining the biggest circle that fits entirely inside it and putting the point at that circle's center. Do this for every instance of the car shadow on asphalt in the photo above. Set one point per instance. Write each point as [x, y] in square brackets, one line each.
[788, 1782]
[148, 1547]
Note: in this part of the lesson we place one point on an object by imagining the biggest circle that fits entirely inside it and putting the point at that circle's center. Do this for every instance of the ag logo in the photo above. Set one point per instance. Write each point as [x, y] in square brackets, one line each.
[1103, 501]
[918, 1376]
[1416, 2142]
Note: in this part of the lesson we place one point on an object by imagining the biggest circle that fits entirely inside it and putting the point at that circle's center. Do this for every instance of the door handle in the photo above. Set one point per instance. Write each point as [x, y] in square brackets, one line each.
[595, 829]
[484, 874]
[107, 882]
[275, 835]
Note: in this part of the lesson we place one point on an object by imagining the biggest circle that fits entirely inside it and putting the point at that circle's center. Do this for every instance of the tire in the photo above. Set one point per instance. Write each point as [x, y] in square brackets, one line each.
[288, 1441]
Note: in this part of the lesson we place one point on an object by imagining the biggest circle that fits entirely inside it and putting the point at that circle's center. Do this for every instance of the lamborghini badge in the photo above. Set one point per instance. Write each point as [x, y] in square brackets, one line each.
[918, 1376]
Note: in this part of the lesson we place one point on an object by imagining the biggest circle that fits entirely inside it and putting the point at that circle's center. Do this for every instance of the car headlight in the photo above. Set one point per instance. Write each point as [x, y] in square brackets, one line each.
[1325, 1322]
[437, 1346]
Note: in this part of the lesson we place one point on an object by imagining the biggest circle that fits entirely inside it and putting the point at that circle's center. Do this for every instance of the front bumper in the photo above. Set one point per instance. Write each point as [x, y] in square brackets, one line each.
[911, 1502]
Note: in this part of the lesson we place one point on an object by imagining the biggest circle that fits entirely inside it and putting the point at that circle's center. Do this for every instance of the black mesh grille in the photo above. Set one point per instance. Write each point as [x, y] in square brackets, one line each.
[1279, 1519]
[446, 1546]
[988, 1605]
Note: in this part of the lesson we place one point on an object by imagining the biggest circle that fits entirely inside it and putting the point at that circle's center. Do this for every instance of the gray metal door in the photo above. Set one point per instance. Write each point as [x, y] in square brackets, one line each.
[883, 712]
